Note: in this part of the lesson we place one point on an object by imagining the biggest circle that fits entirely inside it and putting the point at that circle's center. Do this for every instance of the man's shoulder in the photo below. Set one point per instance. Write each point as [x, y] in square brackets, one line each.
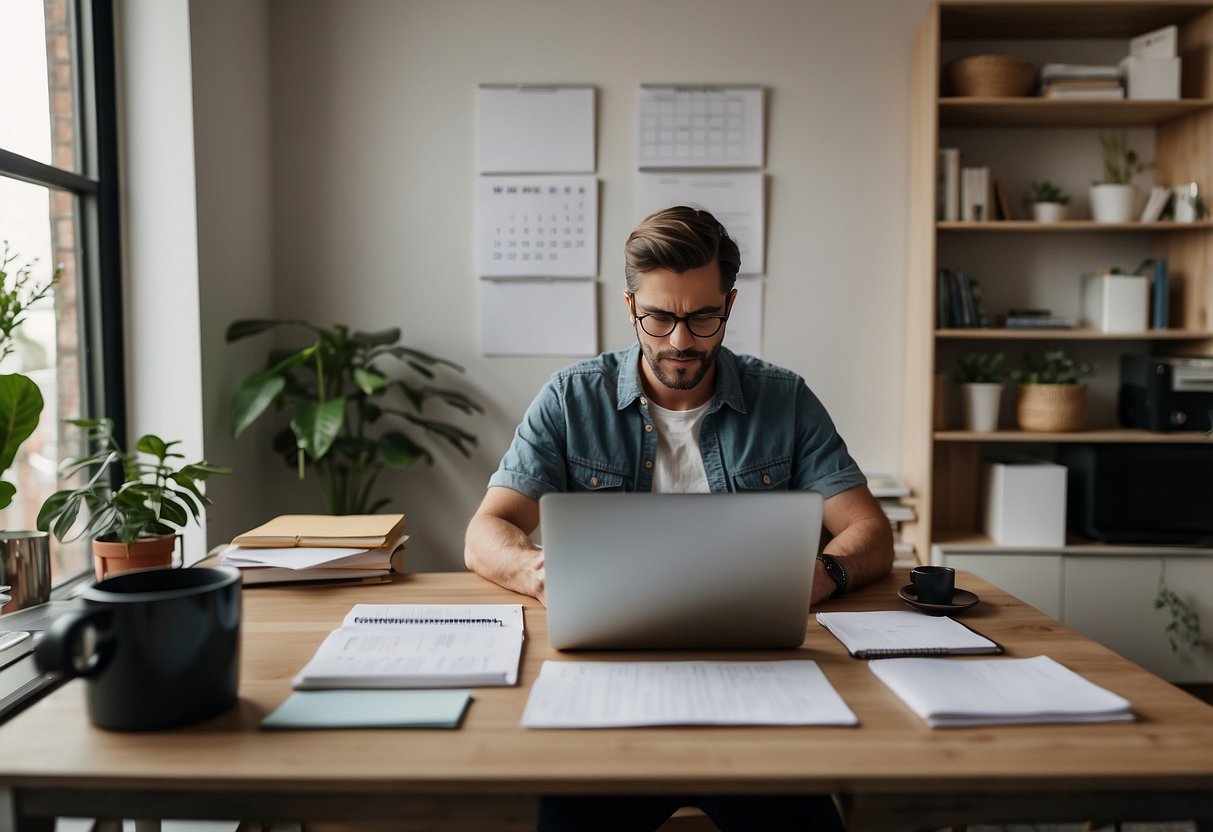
[605, 366]
[749, 367]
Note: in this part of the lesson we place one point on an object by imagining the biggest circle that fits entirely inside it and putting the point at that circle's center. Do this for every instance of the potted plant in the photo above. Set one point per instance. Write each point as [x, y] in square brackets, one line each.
[981, 375]
[1052, 395]
[1048, 201]
[340, 398]
[1113, 197]
[131, 526]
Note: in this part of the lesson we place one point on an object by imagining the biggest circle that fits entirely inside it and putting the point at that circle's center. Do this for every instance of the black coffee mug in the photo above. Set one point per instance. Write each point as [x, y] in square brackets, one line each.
[934, 584]
[158, 648]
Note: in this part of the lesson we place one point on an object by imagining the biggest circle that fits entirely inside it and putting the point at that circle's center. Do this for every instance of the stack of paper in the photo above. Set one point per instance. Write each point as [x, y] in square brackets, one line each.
[316, 547]
[949, 694]
[418, 646]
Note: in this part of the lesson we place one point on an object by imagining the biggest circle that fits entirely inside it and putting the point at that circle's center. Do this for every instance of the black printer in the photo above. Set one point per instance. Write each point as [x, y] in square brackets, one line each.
[1165, 393]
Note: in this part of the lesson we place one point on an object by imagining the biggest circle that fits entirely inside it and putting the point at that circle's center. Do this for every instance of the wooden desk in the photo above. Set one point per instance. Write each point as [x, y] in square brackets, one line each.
[893, 772]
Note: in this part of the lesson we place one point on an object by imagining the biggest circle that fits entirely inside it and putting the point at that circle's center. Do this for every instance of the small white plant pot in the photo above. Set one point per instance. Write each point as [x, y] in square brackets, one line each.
[1112, 203]
[1048, 211]
[981, 403]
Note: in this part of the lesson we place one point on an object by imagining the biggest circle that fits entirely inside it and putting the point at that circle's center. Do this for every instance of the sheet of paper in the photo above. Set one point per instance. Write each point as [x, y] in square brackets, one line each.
[736, 199]
[370, 709]
[953, 693]
[306, 557]
[540, 317]
[699, 127]
[621, 694]
[887, 633]
[537, 226]
[744, 331]
[536, 129]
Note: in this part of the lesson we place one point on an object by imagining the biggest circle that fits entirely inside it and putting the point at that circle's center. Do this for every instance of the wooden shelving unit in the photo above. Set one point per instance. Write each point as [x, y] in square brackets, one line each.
[941, 465]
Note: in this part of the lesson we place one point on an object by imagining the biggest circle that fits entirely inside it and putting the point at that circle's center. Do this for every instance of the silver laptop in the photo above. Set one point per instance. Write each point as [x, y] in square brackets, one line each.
[673, 571]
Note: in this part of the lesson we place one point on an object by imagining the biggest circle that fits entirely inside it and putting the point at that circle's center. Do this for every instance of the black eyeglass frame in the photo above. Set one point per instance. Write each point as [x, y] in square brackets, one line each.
[721, 320]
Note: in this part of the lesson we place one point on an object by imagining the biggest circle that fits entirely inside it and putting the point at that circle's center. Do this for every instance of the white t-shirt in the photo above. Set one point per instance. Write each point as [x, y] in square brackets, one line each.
[679, 465]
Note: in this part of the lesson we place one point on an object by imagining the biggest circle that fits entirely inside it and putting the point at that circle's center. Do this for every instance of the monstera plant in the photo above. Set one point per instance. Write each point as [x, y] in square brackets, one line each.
[20, 399]
[347, 409]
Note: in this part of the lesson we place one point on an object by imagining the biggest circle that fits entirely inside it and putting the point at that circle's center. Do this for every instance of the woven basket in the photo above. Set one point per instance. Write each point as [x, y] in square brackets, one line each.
[991, 76]
[1052, 407]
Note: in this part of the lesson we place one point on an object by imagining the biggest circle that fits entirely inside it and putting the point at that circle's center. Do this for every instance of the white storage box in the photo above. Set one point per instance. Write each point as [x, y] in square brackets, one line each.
[1116, 302]
[1025, 503]
[1151, 78]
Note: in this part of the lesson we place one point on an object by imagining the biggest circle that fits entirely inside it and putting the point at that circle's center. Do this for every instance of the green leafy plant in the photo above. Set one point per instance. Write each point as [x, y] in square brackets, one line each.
[1052, 366]
[1046, 191]
[340, 396]
[1120, 162]
[981, 368]
[1183, 626]
[156, 494]
[20, 399]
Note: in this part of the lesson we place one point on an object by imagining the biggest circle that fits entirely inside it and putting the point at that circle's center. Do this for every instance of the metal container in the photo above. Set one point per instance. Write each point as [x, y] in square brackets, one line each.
[25, 566]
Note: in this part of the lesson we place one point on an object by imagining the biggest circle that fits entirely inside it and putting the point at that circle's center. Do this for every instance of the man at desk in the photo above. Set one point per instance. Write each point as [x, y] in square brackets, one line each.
[678, 412]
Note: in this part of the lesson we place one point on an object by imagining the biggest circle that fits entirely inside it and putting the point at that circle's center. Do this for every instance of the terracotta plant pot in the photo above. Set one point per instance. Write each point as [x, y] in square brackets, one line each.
[1052, 407]
[110, 557]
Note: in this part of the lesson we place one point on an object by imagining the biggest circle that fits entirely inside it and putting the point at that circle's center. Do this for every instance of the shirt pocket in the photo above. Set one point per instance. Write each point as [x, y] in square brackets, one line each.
[766, 476]
[585, 475]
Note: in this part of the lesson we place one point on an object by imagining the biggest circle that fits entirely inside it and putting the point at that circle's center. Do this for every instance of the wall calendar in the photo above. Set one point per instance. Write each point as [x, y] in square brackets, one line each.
[537, 226]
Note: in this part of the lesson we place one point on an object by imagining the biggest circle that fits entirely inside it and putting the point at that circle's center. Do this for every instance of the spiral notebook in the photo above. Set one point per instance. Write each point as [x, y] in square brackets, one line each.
[893, 634]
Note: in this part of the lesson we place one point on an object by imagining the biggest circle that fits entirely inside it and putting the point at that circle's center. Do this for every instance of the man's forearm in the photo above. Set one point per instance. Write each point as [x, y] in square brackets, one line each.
[865, 550]
[499, 551]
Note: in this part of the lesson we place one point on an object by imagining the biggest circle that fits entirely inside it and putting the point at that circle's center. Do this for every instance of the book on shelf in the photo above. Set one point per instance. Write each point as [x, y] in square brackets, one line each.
[418, 646]
[975, 194]
[900, 633]
[1039, 322]
[1053, 72]
[1001, 202]
[883, 484]
[1156, 203]
[896, 511]
[1155, 268]
[354, 531]
[960, 301]
[947, 197]
[1084, 89]
[949, 694]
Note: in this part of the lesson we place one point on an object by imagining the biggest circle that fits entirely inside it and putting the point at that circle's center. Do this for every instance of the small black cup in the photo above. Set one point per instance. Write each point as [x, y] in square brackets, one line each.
[159, 648]
[934, 584]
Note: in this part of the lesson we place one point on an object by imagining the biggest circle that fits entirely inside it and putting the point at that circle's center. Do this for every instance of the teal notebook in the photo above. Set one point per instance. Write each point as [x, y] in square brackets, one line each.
[370, 709]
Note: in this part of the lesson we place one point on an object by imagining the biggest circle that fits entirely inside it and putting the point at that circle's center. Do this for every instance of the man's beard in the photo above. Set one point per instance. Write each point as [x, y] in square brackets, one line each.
[685, 378]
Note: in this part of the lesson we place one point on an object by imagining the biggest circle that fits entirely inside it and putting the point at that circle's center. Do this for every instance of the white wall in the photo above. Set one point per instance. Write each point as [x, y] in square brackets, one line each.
[374, 171]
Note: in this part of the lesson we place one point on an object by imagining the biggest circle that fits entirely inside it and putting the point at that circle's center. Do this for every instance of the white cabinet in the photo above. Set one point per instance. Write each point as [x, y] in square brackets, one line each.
[1034, 579]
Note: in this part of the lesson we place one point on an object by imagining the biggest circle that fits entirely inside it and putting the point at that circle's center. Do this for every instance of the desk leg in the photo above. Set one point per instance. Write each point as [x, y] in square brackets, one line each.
[11, 821]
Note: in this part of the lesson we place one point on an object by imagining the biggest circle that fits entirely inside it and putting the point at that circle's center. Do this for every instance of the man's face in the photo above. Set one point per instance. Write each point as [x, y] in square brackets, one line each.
[680, 360]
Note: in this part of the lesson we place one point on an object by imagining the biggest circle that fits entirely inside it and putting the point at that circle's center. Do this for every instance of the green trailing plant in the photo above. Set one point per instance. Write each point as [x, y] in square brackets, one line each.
[981, 368]
[1183, 625]
[20, 399]
[346, 408]
[157, 492]
[1052, 366]
[1046, 191]
[1120, 162]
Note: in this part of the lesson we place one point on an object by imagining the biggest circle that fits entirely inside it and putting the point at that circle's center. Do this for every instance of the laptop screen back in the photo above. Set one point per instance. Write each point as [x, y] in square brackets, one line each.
[673, 571]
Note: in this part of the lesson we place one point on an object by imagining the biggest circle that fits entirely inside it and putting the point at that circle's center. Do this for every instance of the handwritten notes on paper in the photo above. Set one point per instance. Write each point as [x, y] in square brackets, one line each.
[622, 694]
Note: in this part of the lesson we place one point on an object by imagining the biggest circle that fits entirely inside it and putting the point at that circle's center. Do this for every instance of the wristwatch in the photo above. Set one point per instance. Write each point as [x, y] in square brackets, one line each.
[836, 571]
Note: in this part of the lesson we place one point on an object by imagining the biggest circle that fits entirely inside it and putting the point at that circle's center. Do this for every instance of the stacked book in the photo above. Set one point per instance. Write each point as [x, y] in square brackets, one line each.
[960, 301]
[1081, 81]
[363, 548]
[895, 501]
[1037, 319]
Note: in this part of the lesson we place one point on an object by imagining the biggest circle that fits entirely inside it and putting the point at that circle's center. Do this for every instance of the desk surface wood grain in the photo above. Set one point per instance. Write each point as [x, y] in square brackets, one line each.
[52, 745]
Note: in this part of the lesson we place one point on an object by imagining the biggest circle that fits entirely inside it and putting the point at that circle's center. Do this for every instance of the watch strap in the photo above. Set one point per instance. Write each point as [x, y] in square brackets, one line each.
[836, 571]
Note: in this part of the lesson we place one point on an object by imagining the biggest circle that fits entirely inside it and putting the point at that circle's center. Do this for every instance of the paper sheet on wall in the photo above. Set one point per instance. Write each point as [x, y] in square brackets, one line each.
[537, 226]
[536, 129]
[539, 317]
[744, 331]
[736, 199]
[699, 127]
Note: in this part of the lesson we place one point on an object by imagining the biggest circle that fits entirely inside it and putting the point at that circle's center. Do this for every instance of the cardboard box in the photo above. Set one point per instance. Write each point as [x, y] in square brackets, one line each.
[1151, 78]
[1025, 503]
[1116, 302]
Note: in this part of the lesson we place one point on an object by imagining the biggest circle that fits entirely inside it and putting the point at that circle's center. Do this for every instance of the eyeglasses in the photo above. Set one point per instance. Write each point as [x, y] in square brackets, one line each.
[661, 324]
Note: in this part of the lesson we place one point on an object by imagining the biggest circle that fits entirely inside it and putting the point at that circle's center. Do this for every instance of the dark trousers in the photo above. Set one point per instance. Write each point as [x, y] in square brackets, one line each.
[734, 813]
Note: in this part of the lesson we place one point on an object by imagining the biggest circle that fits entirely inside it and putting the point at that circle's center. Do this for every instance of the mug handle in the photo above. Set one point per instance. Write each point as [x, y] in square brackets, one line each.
[61, 649]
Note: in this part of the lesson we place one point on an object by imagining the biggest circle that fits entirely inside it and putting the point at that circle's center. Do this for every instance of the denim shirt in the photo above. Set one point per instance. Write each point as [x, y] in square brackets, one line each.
[589, 430]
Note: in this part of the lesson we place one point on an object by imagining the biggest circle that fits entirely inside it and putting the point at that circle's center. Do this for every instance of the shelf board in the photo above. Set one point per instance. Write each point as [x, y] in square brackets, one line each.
[968, 20]
[970, 541]
[1066, 227]
[1078, 334]
[1109, 434]
[1054, 112]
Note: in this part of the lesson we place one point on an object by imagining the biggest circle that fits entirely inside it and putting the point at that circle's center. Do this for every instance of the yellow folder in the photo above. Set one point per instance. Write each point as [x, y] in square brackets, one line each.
[355, 531]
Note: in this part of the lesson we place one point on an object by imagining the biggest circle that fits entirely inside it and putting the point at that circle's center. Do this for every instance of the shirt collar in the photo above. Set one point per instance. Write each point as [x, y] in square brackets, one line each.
[728, 381]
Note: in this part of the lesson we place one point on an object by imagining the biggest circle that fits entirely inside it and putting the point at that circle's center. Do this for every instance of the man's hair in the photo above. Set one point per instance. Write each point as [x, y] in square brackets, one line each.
[680, 239]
